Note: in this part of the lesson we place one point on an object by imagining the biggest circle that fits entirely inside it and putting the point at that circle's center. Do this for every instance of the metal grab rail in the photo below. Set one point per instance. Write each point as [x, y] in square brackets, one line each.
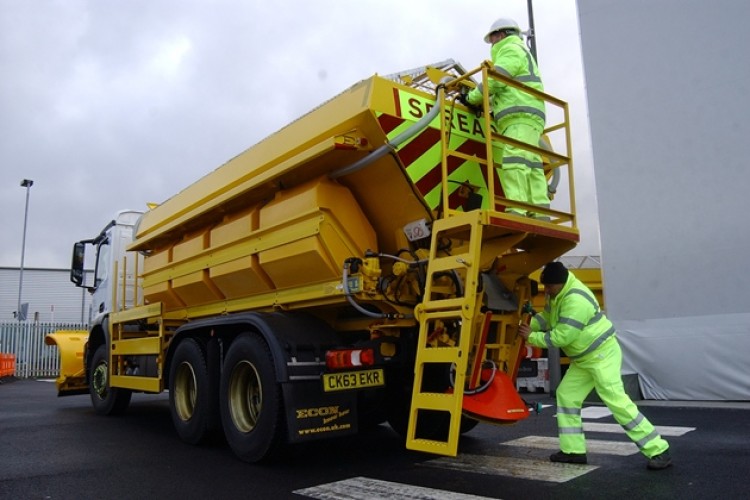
[553, 160]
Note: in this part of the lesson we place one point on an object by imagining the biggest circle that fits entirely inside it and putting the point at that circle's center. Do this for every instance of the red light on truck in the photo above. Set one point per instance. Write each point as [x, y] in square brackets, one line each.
[349, 358]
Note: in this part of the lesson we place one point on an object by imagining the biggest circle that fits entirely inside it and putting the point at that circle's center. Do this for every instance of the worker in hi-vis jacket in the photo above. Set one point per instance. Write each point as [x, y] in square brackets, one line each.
[573, 321]
[518, 115]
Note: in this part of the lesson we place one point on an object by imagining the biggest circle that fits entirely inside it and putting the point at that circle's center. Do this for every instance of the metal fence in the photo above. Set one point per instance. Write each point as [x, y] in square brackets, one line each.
[34, 358]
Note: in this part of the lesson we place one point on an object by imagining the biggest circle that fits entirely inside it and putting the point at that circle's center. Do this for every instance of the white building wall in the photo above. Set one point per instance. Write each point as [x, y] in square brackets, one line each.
[668, 87]
[50, 294]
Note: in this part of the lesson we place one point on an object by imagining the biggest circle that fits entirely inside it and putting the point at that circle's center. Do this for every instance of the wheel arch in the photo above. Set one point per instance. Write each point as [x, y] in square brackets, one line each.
[283, 332]
[98, 335]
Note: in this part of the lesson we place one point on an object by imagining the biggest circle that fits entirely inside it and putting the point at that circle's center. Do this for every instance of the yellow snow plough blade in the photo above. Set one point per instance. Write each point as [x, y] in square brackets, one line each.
[71, 345]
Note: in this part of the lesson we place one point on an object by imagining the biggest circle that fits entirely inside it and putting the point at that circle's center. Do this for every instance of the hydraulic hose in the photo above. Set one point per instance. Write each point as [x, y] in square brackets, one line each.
[476, 390]
[351, 300]
[400, 259]
[353, 303]
[391, 146]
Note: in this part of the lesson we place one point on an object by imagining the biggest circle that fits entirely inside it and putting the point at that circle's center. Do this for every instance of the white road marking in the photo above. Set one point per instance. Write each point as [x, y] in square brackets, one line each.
[540, 470]
[622, 448]
[664, 430]
[595, 412]
[364, 488]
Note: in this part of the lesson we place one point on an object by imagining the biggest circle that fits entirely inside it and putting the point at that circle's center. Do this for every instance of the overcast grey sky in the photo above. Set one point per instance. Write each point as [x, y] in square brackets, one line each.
[108, 105]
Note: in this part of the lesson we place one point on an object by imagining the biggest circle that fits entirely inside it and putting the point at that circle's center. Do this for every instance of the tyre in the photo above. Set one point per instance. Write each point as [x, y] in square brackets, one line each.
[250, 400]
[105, 399]
[467, 424]
[190, 401]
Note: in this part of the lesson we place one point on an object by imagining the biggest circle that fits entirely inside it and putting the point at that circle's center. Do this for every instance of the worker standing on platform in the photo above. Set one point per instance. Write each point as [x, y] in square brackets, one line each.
[573, 321]
[518, 115]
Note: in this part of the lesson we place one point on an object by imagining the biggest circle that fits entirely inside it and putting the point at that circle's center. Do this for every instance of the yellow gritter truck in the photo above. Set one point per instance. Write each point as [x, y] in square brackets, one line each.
[354, 268]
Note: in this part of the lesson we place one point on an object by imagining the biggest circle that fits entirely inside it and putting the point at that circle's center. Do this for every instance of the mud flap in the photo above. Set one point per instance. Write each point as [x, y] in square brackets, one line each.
[313, 414]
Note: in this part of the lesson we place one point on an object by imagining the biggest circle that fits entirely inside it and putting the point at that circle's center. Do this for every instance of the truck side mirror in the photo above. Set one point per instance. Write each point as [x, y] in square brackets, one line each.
[76, 267]
[534, 288]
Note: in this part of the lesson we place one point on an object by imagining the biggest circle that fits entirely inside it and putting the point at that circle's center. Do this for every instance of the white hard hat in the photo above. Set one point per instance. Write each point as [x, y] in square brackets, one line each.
[503, 23]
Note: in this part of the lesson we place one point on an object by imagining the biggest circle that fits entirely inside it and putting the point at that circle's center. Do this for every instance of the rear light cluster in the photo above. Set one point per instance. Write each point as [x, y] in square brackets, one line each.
[349, 358]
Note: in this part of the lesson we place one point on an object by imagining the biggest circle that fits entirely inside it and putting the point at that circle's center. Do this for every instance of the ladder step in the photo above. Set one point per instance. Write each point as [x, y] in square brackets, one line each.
[449, 263]
[147, 384]
[439, 355]
[444, 308]
[435, 401]
[145, 345]
[431, 446]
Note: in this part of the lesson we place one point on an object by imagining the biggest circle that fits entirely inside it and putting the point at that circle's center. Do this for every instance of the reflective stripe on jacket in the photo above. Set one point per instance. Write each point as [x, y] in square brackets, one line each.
[572, 321]
[513, 59]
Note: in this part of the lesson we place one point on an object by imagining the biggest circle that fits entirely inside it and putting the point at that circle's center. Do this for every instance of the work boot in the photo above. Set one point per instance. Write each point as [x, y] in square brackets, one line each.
[568, 458]
[660, 461]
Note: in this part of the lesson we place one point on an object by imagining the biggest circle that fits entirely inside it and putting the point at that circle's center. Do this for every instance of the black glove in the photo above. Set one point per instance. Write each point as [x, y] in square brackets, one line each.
[463, 99]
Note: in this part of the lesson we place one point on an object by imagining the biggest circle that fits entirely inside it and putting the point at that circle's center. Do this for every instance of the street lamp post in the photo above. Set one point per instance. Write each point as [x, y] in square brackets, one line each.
[27, 183]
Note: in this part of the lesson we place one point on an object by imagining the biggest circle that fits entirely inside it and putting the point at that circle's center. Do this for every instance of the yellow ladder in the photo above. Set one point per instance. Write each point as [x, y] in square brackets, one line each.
[431, 404]
[435, 414]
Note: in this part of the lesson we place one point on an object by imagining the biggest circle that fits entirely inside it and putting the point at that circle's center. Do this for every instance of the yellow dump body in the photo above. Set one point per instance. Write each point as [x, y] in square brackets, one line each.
[270, 219]
[332, 136]
[270, 222]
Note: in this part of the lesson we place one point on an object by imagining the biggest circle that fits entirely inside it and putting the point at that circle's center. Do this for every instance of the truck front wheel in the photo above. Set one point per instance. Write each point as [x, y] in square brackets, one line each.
[105, 399]
[189, 398]
[251, 403]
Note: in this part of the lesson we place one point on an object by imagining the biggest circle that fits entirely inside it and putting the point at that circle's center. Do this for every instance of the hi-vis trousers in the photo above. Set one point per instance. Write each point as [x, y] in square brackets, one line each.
[600, 370]
[522, 172]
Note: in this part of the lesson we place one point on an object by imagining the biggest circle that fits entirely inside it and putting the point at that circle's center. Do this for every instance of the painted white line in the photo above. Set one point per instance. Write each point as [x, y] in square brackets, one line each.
[622, 448]
[602, 411]
[364, 488]
[523, 468]
[595, 412]
[664, 430]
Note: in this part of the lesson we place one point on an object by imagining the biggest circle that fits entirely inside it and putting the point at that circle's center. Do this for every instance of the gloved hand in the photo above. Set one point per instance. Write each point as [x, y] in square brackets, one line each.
[524, 330]
[477, 110]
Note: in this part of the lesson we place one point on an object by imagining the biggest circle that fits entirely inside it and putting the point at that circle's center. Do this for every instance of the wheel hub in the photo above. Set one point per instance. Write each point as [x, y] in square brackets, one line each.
[245, 396]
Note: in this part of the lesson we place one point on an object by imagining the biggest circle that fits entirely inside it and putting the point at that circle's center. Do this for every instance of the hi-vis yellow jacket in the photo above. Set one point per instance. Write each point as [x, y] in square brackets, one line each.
[513, 59]
[572, 321]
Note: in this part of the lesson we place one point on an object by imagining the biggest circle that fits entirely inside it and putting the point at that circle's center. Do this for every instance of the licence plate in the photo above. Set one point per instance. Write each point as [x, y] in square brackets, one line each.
[352, 380]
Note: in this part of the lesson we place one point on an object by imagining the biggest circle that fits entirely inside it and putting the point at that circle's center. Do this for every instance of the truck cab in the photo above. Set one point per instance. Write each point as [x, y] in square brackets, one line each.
[107, 284]
[107, 248]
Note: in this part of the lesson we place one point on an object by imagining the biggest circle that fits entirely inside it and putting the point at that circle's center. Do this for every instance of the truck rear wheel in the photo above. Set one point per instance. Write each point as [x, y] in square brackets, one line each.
[251, 402]
[189, 398]
[105, 399]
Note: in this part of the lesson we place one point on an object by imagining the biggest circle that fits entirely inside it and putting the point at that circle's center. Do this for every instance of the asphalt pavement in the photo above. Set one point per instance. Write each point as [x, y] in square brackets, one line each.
[58, 448]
